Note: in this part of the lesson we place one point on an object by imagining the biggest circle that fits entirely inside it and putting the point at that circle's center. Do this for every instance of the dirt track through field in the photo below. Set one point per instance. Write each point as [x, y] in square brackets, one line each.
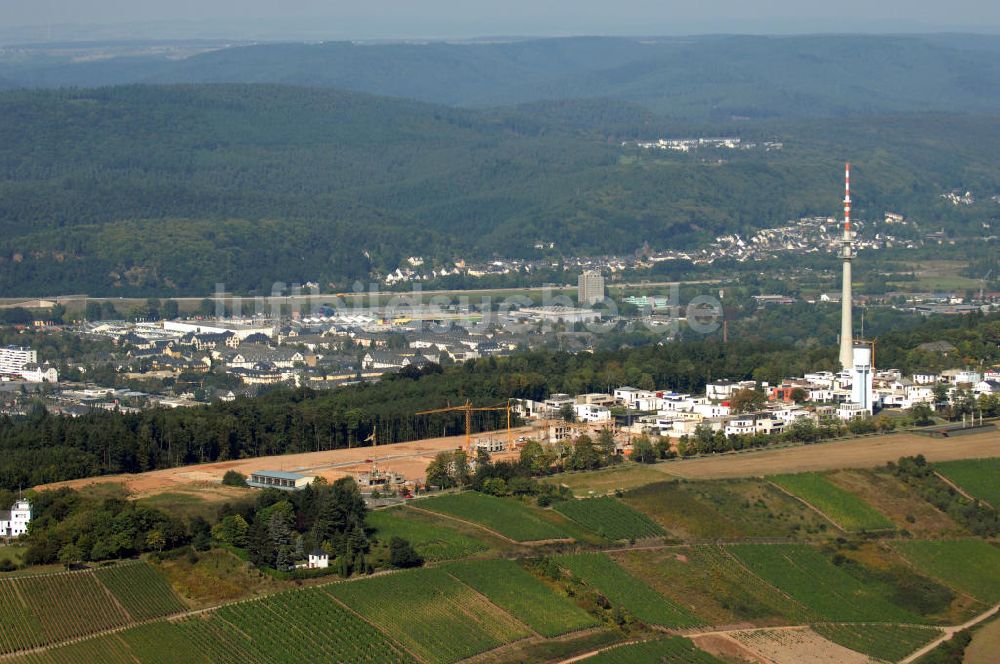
[865, 452]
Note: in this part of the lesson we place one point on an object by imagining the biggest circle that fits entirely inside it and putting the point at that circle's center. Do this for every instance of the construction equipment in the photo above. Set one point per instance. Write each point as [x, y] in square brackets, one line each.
[468, 409]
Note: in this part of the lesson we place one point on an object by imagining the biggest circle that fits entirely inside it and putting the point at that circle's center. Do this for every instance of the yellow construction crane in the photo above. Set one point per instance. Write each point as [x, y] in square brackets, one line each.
[468, 409]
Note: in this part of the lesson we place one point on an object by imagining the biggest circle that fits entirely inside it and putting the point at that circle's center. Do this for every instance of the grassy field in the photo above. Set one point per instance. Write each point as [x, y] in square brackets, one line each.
[610, 518]
[713, 585]
[885, 642]
[609, 480]
[601, 573]
[668, 650]
[432, 537]
[979, 477]
[506, 516]
[844, 508]
[970, 566]
[431, 614]
[13, 553]
[901, 504]
[807, 576]
[216, 576]
[541, 651]
[726, 509]
[517, 592]
[141, 590]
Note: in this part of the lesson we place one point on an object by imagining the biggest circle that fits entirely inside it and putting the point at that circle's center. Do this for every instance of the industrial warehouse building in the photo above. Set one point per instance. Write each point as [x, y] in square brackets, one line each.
[279, 479]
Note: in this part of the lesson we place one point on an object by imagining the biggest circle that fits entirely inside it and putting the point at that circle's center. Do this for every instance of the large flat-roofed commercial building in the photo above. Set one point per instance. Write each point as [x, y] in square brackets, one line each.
[559, 314]
[590, 288]
[241, 330]
[279, 479]
[13, 359]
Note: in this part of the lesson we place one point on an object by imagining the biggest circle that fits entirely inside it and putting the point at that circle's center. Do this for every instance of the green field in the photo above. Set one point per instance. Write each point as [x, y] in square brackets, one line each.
[141, 590]
[886, 642]
[109, 649]
[510, 587]
[304, 625]
[506, 516]
[970, 566]
[979, 477]
[847, 510]
[42, 609]
[37, 610]
[610, 518]
[307, 626]
[432, 540]
[668, 650]
[805, 575]
[430, 613]
[14, 554]
[713, 585]
[607, 480]
[602, 574]
[726, 509]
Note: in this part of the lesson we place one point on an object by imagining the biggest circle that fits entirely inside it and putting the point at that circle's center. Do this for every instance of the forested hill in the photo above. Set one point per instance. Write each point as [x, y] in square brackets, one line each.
[705, 78]
[171, 189]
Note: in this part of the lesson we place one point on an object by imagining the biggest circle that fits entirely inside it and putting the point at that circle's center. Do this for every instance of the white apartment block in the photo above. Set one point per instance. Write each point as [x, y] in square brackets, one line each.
[13, 359]
[589, 412]
[632, 397]
[723, 389]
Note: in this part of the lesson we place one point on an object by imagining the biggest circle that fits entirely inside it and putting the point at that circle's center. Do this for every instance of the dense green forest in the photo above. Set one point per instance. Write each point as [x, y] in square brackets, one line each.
[712, 78]
[44, 448]
[171, 189]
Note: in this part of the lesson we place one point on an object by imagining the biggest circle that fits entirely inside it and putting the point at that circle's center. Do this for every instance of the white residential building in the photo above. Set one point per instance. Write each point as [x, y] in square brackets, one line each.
[630, 397]
[318, 559]
[14, 523]
[34, 373]
[723, 389]
[13, 359]
[588, 412]
[850, 410]
[707, 409]
[986, 387]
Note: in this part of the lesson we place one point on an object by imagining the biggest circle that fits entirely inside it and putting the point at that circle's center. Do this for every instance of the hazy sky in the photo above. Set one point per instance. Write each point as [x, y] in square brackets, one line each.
[467, 18]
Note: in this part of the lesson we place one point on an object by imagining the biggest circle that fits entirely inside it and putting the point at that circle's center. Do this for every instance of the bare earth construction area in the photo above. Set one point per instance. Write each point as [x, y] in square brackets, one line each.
[411, 460]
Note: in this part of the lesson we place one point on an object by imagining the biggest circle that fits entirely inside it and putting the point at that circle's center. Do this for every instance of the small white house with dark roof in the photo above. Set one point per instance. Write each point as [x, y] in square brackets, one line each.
[318, 559]
[14, 522]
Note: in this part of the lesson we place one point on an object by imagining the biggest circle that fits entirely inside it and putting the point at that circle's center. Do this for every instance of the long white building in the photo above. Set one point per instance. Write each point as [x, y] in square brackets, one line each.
[13, 359]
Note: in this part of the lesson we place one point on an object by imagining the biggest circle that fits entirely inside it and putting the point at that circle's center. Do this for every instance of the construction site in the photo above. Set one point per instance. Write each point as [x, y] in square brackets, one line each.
[395, 467]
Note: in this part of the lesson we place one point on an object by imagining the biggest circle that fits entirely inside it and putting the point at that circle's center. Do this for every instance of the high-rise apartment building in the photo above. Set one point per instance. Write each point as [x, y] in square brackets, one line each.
[590, 288]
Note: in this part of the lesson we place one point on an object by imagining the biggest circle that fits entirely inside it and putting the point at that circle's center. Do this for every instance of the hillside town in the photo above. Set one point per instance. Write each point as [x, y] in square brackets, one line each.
[804, 236]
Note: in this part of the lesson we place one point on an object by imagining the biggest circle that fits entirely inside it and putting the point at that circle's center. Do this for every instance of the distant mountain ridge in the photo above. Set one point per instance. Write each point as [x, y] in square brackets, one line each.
[712, 78]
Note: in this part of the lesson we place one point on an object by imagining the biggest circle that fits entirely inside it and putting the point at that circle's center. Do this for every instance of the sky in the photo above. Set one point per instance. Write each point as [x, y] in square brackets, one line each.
[374, 19]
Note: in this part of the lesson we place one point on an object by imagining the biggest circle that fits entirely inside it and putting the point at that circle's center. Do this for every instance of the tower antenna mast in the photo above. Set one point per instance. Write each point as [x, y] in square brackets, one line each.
[846, 297]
